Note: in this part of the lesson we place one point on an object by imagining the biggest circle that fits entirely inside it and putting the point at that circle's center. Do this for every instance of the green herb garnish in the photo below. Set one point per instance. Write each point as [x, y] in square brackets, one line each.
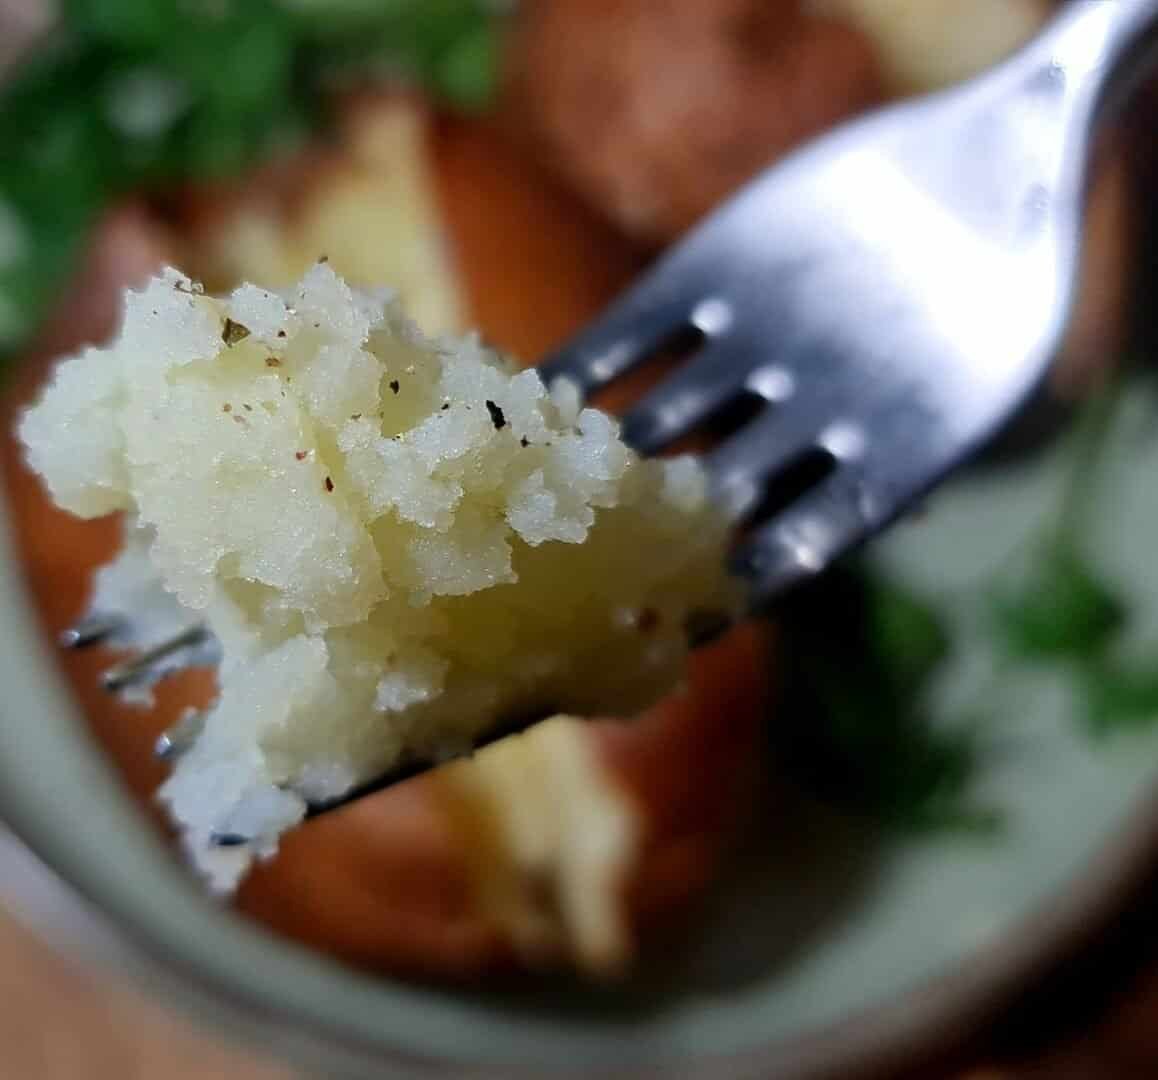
[1060, 610]
[1119, 696]
[136, 95]
[1064, 612]
[857, 728]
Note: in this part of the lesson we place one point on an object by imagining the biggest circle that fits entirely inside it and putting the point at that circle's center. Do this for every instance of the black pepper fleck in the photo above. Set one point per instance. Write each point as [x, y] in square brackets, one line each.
[395, 385]
[524, 443]
[233, 332]
[329, 484]
[247, 408]
[356, 416]
[281, 333]
[272, 361]
[445, 406]
[497, 417]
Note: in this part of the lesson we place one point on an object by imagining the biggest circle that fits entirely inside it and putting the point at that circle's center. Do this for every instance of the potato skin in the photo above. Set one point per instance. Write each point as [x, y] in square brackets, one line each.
[656, 110]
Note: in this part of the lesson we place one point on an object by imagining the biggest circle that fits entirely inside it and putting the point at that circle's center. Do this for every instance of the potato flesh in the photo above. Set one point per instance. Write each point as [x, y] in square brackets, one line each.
[399, 542]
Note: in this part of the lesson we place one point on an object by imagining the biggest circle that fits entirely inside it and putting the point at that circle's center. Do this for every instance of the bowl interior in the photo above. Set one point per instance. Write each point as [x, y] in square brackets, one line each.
[822, 919]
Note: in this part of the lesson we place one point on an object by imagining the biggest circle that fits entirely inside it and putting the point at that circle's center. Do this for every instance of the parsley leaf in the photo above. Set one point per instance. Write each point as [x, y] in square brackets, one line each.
[1119, 696]
[1061, 609]
[856, 729]
[133, 95]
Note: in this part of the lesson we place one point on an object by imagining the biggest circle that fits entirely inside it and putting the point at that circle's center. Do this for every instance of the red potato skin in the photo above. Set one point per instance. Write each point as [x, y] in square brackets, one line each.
[656, 110]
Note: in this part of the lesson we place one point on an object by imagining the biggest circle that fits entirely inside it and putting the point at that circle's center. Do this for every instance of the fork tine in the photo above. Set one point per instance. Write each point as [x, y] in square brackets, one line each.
[743, 464]
[700, 390]
[633, 328]
[90, 630]
[179, 737]
[152, 662]
[680, 402]
[802, 540]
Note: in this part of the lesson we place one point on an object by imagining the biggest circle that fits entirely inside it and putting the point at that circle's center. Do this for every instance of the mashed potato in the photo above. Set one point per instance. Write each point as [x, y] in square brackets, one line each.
[398, 542]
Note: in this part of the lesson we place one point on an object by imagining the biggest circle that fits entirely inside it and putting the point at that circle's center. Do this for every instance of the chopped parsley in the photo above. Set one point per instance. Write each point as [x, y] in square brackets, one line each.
[139, 95]
[855, 726]
[858, 726]
[1065, 613]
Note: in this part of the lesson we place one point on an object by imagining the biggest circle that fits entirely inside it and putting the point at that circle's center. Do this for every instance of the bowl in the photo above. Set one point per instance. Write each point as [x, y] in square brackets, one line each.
[831, 949]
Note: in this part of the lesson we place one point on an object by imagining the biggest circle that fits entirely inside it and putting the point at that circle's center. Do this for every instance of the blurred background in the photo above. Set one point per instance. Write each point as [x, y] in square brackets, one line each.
[508, 165]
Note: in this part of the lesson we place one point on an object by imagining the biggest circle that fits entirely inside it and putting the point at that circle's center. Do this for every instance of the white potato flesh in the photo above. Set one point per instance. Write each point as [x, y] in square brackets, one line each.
[399, 541]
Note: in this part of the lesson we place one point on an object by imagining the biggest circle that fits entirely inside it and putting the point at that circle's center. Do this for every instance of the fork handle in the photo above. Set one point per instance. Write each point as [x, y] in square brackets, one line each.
[1101, 46]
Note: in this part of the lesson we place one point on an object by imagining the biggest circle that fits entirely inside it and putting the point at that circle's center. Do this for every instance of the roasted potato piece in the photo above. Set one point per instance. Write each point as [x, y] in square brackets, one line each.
[556, 848]
[367, 202]
[655, 110]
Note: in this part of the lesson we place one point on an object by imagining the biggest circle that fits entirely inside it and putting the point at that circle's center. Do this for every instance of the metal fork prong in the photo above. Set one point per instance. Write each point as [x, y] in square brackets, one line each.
[683, 401]
[175, 740]
[146, 665]
[741, 465]
[697, 392]
[92, 629]
[802, 540]
[626, 335]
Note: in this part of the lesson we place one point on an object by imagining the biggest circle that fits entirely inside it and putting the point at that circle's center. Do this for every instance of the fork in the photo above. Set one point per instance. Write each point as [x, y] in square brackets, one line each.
[860, 319]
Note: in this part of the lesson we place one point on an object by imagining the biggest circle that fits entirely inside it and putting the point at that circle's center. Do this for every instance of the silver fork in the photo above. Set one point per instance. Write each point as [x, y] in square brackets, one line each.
[890, 294]
[878, 305]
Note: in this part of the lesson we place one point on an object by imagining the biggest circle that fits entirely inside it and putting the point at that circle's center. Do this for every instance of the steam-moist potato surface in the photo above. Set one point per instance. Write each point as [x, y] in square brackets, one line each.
[398, 541]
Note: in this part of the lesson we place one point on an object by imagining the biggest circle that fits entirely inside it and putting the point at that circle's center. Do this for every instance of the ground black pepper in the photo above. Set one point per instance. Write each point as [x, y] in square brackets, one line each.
[233, 332]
